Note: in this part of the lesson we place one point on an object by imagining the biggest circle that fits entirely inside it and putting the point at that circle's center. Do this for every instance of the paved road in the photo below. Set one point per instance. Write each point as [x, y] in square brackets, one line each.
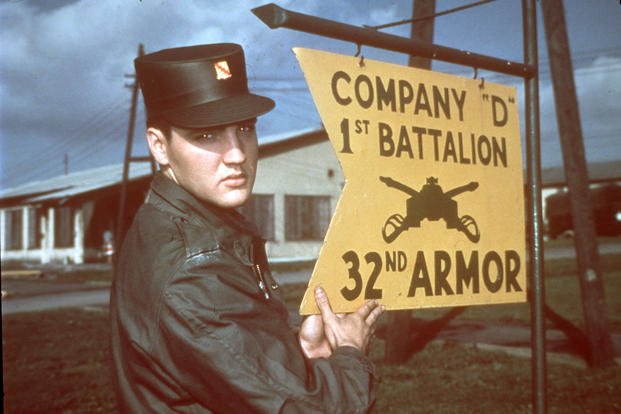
[559, 252]
[511, 336]
[34, 295]
[463, 331]
[513, 339]
[82, 298]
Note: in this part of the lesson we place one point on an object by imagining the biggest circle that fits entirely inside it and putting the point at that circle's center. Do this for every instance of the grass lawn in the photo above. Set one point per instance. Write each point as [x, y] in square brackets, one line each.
[57, 361]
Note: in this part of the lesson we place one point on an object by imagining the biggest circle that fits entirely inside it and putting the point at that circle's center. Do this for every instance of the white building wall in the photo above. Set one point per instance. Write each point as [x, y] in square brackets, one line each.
[47, 252]
[47, 240]
[25, 253]
[310, 170]
[51, 236]
[25, 238]
[2, 234]
[22, 253]
[78, 236]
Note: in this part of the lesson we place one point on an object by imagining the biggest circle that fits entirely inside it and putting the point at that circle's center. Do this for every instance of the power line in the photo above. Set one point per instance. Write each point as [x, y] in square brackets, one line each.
[32, 165]
[39, 162]
[431, 16]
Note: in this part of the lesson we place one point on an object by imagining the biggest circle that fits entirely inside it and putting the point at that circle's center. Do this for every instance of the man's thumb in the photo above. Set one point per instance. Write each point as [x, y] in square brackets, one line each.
[323, 303]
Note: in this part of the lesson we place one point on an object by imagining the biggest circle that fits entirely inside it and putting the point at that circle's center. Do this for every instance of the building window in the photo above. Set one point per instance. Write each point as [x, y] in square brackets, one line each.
[63, 227]
[34, 227]
[13, 229]
[306, 217]
[259, 209]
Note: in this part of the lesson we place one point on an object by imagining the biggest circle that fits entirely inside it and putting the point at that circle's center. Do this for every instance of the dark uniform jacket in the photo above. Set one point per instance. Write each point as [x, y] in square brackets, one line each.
[199, 325]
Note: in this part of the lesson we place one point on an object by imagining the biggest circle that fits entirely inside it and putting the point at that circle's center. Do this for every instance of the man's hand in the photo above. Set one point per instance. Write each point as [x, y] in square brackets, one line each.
[313, 339]
[352, 329]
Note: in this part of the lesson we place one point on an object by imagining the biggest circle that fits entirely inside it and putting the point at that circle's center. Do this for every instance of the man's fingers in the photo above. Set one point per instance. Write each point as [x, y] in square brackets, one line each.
[323, 303]
[370, 311]
[375, 314]
[365, 310]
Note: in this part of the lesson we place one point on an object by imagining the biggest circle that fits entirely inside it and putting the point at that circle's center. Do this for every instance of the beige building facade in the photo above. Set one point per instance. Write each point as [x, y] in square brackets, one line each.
[72, 218]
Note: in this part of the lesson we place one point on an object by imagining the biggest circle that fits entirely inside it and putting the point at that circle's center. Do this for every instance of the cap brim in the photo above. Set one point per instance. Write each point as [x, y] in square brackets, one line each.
[221, 112]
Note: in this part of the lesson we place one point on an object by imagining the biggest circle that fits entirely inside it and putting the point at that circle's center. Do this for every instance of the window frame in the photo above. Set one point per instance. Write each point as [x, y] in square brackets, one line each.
[259, 209]
[307, 217]
[14, 229]
[60, 233]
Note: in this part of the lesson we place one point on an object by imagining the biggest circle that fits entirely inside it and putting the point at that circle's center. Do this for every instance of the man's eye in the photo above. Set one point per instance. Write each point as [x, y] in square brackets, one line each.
[205, 136]
[247, 128]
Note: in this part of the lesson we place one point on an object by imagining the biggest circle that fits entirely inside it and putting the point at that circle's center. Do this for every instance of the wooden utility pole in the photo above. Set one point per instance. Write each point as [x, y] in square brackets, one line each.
[568, 118]
[398, 344]
[422, 30]
[122, 219]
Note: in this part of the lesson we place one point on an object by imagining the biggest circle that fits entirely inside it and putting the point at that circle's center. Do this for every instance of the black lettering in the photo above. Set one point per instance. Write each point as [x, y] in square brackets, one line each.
[500, 118]
[419, 132]
[396, 261]
[420, 276]
[335, 92]
[354, 273]
[386, 96]
[441, 102]
[492, 285]
[362, 126]
[449, 148]
[345, 131]
[422, 101]
[484, 150]
[404, 143]
[371, 292]
[500, 151]
[435, 133]
[460, 100]
[365, 103]
[467, 274]
[406, 94]
[442, 267]
[462, 158]
[402, 261]
[386, 144]
[391, 261]
[512, 269]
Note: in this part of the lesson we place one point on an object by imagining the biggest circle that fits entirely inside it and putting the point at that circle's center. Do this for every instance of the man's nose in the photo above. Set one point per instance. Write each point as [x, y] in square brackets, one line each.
[235, 152]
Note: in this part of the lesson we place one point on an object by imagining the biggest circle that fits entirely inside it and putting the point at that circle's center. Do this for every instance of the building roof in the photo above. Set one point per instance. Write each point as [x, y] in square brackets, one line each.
[81, 182]
[282, 138]
[70, 185]
[601, 172]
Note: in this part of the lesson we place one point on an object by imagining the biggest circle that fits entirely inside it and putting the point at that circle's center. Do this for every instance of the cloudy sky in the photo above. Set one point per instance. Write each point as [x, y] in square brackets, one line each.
[64, 100]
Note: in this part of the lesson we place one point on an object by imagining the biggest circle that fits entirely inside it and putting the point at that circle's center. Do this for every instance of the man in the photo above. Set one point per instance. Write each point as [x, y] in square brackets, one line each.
[198, 323]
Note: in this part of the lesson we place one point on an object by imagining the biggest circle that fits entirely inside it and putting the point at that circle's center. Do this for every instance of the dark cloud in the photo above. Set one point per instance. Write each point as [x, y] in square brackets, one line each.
[39, 6]
[63, 65]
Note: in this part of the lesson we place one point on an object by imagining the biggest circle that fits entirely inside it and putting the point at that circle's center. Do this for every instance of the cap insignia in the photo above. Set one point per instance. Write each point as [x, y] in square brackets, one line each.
[222, 70]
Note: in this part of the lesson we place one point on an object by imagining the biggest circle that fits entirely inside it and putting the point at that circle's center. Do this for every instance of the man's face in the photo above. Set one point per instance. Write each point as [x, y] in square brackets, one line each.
[217, 165]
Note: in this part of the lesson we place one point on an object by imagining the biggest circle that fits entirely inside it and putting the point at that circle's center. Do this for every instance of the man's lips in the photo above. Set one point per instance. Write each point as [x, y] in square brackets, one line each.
[235, 180]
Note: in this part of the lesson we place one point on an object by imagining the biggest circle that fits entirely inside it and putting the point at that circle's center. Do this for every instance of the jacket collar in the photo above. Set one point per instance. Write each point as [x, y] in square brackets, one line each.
[184, 203]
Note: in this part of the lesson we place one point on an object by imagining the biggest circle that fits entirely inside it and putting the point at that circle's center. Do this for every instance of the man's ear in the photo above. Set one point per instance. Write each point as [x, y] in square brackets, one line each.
[158, 145]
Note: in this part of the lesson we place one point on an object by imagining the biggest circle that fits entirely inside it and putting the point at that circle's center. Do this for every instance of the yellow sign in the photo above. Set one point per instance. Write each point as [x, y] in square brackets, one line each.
[432, 212]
